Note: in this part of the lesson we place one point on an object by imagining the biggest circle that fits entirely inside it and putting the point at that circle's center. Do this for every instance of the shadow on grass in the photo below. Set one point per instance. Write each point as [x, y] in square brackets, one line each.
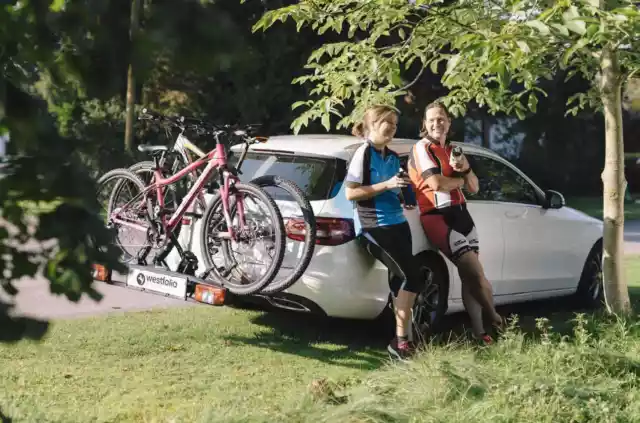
[560, 313]
[4, 418]
[341, 342]
[16, 328]
[362, 344]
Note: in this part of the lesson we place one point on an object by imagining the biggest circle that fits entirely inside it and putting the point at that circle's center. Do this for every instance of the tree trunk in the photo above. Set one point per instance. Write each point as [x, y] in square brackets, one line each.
[614, 185]
[486, 131]
[131, 82]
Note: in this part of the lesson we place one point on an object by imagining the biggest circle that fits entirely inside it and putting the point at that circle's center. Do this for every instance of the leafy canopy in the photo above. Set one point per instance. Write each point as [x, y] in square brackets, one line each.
[50, 221]
[493, 52]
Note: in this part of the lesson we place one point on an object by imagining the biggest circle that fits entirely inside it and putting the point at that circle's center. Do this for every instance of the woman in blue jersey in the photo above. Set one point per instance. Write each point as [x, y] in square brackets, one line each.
[374, 184]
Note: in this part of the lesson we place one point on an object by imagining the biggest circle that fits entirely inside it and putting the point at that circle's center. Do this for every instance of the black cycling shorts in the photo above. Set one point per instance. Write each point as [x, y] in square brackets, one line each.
[392, 246]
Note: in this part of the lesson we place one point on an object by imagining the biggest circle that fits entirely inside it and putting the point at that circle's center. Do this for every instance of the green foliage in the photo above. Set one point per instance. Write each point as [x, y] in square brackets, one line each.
[218, 69]
[64, 66]
[492, 53]
[49, 217]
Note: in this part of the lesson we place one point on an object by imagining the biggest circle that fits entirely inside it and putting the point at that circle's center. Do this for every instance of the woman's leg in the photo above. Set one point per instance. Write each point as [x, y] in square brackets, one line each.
[474, 309]
[442, 230]
[402, 307]
[394, 250]
[472, 275]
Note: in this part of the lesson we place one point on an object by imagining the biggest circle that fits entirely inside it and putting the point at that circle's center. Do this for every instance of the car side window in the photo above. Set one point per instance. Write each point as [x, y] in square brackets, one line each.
[499, 182]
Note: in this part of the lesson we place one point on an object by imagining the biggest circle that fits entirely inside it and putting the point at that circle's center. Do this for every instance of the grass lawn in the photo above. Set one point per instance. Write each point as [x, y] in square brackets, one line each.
[205, 364]
[593, 207]
[183, 364]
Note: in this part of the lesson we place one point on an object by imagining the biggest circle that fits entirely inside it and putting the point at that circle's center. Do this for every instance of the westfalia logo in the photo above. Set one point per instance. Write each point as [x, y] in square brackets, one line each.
[158, 280]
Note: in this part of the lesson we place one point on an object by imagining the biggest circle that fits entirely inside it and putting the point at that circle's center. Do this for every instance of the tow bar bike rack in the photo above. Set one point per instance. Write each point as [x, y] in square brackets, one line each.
[182, 284]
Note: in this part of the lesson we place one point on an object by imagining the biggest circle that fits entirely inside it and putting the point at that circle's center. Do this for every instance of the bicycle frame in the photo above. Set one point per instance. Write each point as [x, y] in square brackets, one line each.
[216, 160]
[183, 146]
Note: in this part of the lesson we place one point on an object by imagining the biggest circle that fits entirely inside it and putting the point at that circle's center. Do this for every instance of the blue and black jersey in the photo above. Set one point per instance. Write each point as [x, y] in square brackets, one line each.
[369, 167]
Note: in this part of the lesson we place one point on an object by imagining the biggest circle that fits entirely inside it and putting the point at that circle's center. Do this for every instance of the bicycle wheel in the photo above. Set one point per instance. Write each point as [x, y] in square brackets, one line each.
[138, 212]
[301, 229]
[236, 280]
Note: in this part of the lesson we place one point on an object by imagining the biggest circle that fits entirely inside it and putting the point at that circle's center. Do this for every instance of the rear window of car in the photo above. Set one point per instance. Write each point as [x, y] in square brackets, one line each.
[318, 177]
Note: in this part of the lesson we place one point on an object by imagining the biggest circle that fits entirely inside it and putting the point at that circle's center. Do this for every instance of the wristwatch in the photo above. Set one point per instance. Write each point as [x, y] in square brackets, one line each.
[461, 174]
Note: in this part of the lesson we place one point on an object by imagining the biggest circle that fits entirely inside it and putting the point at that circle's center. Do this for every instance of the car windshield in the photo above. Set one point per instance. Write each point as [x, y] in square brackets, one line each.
[316, 176]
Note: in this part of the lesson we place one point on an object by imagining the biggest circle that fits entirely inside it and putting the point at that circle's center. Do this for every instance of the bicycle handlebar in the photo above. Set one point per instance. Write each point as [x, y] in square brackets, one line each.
[199, 126]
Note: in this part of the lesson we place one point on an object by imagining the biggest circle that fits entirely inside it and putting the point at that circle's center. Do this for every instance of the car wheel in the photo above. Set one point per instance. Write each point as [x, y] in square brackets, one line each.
[590, 291]
[432, 302]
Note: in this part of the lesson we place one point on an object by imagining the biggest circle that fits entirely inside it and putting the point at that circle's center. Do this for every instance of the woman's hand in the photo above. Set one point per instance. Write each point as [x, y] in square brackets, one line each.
[461, 165]
[397, 182]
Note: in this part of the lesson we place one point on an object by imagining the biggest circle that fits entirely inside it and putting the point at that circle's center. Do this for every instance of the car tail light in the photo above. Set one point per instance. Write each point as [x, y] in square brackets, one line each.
[329, 231]
[100, 273]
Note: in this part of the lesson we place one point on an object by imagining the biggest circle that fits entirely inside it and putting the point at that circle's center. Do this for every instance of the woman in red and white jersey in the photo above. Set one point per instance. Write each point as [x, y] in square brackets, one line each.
[439, 178]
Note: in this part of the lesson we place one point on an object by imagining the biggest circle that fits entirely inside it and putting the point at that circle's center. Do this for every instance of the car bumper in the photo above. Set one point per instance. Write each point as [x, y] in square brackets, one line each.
[344, 281]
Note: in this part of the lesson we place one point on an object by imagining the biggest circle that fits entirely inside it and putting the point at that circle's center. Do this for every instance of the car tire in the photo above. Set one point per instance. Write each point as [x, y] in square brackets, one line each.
[590, 292]
[433, 301]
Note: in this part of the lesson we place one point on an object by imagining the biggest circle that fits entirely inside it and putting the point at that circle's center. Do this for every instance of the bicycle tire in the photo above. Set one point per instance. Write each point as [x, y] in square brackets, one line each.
[279, 284]
[132, 177]
[272, 271]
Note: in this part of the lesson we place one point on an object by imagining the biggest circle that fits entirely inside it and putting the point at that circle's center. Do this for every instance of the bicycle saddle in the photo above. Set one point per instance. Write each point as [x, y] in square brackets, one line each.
[153, 149]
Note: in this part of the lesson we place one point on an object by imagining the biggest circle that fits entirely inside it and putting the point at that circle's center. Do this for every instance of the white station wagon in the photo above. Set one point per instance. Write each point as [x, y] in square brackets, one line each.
[532, 246]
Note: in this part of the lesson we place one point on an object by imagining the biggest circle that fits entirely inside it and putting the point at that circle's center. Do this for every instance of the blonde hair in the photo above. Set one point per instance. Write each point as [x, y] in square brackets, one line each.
[434, 105]
[371, 116]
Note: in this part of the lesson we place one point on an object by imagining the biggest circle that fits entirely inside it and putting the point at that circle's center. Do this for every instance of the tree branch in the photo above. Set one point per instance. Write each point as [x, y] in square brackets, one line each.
[410, 84]
[321, 10]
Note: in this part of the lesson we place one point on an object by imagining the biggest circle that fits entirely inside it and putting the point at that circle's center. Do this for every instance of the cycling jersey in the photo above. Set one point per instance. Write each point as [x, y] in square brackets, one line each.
[444, 215]
[369, 167]
[427, 159]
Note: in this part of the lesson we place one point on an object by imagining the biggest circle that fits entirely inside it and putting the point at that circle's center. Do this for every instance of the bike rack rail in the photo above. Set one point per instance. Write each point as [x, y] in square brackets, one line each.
[185, 286]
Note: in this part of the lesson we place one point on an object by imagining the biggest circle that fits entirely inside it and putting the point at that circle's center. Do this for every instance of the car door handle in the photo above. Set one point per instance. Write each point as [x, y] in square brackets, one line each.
[515, 215]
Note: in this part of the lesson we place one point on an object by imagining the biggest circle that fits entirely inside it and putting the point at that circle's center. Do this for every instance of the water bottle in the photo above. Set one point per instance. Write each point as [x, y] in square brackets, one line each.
[407, 193]
[456, 156]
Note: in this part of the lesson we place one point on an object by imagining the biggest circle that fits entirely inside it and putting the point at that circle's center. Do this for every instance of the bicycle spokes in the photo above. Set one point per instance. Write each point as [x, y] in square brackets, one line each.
[251, 249]
[124, 208]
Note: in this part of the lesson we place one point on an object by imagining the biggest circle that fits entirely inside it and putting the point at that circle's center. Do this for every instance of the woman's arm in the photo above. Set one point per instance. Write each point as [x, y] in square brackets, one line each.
[357, 192]
[471, 182]
[444, 183]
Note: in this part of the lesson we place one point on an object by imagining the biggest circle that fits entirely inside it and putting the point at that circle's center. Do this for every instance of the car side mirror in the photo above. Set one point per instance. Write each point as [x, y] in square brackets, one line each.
[553, 200]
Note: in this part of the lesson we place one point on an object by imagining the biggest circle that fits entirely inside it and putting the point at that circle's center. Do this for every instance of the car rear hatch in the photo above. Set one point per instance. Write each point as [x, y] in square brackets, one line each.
[319, 177]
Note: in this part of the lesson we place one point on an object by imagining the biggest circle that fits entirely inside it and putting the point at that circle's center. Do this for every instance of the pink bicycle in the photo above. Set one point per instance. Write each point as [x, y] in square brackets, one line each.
[230, 223]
